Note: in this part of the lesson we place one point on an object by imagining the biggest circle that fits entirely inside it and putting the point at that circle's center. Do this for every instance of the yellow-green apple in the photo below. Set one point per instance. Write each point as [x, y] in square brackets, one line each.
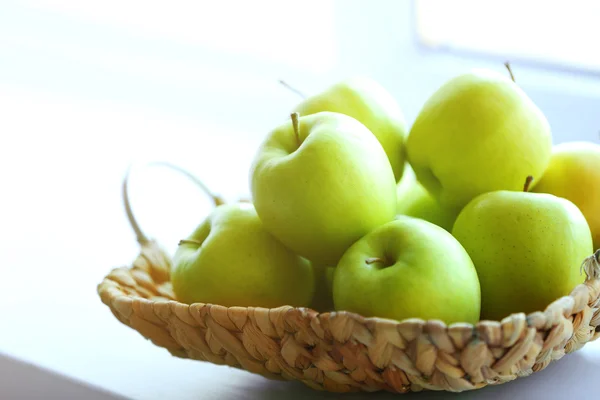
[231, 260]
[323, 298]
[408, 268]
[370, 103]
[320, 182]
[527, 249]
[479, 132]
[415, 201]
[574, 173]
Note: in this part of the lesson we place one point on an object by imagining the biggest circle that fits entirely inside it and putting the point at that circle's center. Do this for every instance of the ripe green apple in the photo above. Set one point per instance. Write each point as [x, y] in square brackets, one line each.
[320, 182]
[323, 298]
[479, 132]
[415, 201]
[408, 268]
[231, 260]
[574, 173]
[527, 249]
[370, 103]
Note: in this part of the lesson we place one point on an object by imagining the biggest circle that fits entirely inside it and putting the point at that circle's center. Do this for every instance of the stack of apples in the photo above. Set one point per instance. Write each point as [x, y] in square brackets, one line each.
[472, 213]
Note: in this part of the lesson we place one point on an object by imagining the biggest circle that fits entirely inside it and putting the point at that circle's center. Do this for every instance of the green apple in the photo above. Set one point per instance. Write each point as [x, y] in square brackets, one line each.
[415, 201]
[231, 260]
[479, 132]
[527, 249]
[574, 173]
[320, 182]
[370, 103]
[408, 268]
[323, 298]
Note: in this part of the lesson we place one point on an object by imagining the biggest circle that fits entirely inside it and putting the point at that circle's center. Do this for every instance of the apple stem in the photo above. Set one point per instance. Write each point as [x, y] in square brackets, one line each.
[296, 124]
[512, 76]
[528, 181]
[189, 241]
[373, 260]
[291, 88]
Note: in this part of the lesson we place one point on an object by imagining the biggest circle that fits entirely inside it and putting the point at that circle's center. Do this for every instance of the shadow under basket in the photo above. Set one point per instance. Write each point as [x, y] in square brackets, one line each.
[342, 351]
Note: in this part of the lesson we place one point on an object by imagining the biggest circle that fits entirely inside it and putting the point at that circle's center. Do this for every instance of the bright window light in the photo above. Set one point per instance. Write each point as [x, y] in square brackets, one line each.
[560, 33]
[272, 30]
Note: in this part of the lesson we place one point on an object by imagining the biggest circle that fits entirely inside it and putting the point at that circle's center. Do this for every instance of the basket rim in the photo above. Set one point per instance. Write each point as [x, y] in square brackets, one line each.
[300, 343]
[564, 306]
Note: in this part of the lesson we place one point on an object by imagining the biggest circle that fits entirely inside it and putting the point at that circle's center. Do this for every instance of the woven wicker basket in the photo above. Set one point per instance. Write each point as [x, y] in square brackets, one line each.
[341, 351]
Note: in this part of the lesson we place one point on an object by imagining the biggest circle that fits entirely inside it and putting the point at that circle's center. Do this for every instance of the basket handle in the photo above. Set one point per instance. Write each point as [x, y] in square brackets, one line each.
[591, 266]
[141, 237]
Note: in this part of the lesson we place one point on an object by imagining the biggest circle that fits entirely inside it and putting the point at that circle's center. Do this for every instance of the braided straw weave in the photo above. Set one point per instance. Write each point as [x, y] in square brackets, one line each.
[341, 351]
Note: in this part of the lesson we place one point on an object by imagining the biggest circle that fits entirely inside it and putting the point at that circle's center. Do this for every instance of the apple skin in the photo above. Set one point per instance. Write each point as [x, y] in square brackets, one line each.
[320, 196]
[426, 274]
[574, 174]
[415, 201]
[478, 133]
[527, 249]
[323, 298]
[371, 104]
[239, 264]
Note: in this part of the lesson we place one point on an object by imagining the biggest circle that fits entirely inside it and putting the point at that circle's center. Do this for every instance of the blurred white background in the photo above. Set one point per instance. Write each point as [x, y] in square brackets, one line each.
[87, 88]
